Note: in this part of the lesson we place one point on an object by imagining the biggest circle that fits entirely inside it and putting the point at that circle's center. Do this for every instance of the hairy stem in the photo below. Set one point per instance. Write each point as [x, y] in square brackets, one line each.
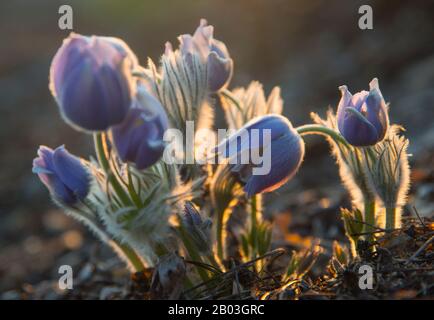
[254, 225]
[219, 236]
[101, 152]
[369, 226]
[390, 218]
[229, 95]
[193, 253]
[321, 130]
[222, 217]
[131, 255]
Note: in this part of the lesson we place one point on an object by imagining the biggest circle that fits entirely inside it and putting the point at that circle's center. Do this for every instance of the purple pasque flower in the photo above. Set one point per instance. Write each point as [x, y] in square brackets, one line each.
[363, 118]
[191, 215]
[63, 174]
[197, 227]
[139, 139]
[90, 78]
[282, 151]
[212, 52]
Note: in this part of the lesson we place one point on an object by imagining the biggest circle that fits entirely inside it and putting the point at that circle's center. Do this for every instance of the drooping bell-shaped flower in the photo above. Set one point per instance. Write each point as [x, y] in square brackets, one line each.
[212, 52]
[362, 118]
[90, 78]
[139, 139]
[282, 151]
[63, 174]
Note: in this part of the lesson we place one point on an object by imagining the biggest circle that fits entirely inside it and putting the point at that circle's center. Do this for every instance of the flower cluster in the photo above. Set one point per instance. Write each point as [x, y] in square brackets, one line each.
[153, 212]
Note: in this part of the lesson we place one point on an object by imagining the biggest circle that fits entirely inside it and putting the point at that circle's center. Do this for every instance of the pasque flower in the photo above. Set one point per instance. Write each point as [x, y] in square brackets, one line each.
[90, 78]
[285, 150]
[198, 228]
[362, 118]
[63, 174]
[212, 52]
[139, 139]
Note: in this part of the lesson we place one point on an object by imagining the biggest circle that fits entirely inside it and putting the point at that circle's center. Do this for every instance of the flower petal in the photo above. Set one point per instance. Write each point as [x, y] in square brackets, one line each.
[377, 113]
[357, 130]
[287, 153]
[344, 102]
[277, 124]
[219, 72]
[71, 172]
[139, 138]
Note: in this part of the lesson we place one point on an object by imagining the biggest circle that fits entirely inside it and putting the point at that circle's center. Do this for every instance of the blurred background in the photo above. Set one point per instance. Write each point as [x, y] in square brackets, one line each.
[309, 48]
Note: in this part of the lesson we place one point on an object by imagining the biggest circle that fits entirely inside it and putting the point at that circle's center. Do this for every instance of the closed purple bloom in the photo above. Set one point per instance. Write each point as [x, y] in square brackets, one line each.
[212, 52]
[139, 139]
[362, 118]
[191, 216]
[197, 228]
[285, 149]
[90, 77]
[63, 174]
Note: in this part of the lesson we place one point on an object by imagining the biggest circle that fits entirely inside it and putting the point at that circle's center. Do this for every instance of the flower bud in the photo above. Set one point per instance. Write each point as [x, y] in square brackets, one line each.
[63, 174]
[90, 78]
[212, 52]
[363, 118]
[283, 153]
[197, 228]
[139, 139]
[168, 277]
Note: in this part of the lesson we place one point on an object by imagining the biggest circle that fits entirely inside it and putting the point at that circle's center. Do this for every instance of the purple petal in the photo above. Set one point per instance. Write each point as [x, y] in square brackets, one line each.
[277, 124]
[357, 130]
[377, 112]
[219, 72]
[71, 172]
[191, 215]
[139, 139]
[202, 38]
[66, 58]
[95, 100]
[345, 102]
[91, 80]
[44, 167]
[220, 48]
[287, 153]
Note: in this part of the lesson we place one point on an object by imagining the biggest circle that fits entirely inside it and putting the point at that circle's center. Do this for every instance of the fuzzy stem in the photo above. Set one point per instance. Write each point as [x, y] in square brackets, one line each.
[254, 225]
[369, 226]
[132, 256]
[390, 218]
[193, 253]
[101, 152]
[132, 191]
[229, 95]
[321, 130]
[222, 217]
[219, 236]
